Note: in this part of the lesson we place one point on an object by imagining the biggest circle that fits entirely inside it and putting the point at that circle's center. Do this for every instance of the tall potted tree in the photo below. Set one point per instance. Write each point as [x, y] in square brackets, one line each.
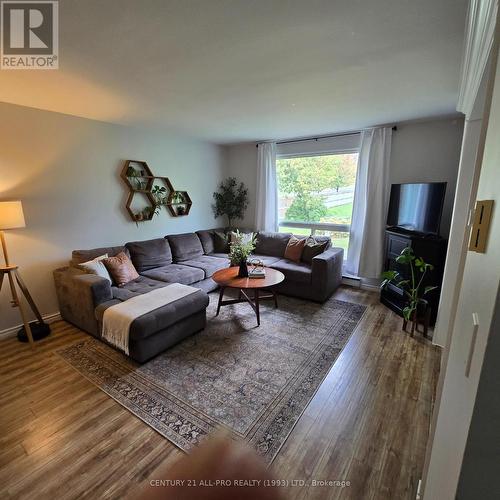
[231, 200]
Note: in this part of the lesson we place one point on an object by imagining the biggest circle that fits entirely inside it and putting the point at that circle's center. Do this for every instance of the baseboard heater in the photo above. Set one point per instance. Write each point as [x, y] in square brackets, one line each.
[351, 281]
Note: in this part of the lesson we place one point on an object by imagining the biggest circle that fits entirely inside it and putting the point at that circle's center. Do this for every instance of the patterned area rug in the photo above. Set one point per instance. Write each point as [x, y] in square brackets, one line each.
[254, 381]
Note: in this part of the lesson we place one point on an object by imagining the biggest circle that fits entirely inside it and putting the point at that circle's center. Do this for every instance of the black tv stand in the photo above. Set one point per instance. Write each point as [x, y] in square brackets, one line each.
[431, 248]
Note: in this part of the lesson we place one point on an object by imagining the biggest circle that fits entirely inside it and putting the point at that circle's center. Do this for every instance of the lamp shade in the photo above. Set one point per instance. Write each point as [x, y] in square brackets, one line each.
[11, 215]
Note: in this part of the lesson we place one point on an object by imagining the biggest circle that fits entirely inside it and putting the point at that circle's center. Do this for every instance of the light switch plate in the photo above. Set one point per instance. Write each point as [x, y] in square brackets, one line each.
[481, 226]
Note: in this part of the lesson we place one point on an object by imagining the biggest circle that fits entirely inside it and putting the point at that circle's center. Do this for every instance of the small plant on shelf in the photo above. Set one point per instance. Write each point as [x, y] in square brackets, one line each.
[411, 287]
[135, 176]
[178, 198]
[160, 195]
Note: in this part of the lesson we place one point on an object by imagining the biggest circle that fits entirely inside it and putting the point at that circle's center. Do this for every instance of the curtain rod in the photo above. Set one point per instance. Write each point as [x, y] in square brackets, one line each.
[321, 137]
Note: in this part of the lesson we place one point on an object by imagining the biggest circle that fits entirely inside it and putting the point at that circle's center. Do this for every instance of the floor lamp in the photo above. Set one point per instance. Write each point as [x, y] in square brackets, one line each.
[12, 217]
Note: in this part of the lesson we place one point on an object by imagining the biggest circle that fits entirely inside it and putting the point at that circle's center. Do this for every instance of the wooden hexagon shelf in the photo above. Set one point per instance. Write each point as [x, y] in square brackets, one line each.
[137, 175]
[179, 203]
[141, 182]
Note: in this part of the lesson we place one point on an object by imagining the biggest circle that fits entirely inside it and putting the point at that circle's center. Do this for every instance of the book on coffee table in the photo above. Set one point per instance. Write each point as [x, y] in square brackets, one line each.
[257, 273]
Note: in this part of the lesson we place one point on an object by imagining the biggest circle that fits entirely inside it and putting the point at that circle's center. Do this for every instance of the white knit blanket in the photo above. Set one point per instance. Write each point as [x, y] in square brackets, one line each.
[118, 318]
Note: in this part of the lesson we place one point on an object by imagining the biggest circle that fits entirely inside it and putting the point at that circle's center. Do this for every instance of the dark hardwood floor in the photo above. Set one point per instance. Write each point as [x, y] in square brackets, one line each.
[61, 437]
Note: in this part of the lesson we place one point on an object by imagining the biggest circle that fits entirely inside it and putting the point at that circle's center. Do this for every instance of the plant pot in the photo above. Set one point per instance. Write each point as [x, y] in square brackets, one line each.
[243, 271]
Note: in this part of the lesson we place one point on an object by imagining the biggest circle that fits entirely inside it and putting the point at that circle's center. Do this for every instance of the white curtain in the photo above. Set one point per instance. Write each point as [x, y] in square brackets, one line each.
[371, 194]
[266, 217]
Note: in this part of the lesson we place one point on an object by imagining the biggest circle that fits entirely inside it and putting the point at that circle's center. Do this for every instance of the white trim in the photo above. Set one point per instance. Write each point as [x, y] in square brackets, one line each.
[333, 152]
[321, 226]
[334, 145]
[11, 331]
[480, 30]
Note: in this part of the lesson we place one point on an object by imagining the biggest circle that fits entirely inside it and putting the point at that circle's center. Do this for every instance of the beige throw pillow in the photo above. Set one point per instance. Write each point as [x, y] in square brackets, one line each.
[121, 269]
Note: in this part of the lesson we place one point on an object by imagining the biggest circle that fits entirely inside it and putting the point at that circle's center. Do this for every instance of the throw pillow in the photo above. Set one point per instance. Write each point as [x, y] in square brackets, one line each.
[221, 242]
[244, 237]
[96, 266]
[294, 248]
[121, 269]
[313, 248]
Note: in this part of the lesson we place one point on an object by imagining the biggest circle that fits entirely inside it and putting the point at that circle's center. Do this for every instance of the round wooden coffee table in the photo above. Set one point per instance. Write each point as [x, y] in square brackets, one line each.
[228, 278]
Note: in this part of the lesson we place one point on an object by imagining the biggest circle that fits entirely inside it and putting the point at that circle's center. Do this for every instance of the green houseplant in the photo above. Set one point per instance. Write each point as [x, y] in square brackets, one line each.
[160, 197]
[231, 200]
[239, 251]
[412, 287]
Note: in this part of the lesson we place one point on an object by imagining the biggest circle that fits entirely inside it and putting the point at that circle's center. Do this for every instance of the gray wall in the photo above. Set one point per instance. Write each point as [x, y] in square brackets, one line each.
[241, 162]
[429, 152]
[424, 151]
[66, 172]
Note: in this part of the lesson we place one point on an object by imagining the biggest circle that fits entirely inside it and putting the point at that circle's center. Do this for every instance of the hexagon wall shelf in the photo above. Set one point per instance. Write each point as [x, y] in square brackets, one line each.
[179, 203]
[141, 183]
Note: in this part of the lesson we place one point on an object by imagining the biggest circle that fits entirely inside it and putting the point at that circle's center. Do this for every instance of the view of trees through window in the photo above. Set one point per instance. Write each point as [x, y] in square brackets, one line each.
[317, 189]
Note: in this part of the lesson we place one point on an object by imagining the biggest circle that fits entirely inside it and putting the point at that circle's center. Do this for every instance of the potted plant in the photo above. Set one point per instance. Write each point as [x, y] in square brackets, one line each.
[239, 251]
[160, 196]
[135, 175]
[178, 197]
[411, 287]
[231, 200]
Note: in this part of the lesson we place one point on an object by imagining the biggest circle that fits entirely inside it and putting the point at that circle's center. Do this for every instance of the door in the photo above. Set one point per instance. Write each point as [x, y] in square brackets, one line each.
[471, 328]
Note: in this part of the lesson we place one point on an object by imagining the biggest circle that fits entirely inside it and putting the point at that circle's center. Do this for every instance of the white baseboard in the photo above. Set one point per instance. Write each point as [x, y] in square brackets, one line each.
[48, 318]
[371, 288]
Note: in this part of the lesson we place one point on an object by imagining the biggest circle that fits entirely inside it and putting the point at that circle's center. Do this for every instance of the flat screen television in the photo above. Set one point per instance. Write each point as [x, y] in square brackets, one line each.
[416, 207]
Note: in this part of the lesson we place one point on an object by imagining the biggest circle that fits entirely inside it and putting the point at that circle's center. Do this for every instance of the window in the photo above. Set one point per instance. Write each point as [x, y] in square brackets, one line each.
[315, 195]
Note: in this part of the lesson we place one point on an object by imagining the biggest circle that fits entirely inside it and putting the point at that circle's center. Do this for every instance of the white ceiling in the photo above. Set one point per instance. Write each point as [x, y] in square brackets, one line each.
[242, 70]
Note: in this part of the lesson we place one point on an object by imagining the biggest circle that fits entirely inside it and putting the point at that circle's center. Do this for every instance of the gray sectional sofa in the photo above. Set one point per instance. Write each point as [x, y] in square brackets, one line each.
[190, 259]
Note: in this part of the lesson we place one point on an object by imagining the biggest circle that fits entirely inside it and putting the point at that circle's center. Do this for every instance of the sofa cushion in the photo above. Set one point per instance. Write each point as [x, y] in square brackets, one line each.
[185, 246]
[266, 259]
[208, 264]
[293, 271]
[273, 244]
[163, 317]
[79, 256]
[207, 240]
[136, 287]
[175, 273]
[150, 253]
[220, 255]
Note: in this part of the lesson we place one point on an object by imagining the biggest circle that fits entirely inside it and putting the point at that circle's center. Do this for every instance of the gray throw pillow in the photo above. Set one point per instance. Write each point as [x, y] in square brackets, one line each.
[221, 242]
[313, 248]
